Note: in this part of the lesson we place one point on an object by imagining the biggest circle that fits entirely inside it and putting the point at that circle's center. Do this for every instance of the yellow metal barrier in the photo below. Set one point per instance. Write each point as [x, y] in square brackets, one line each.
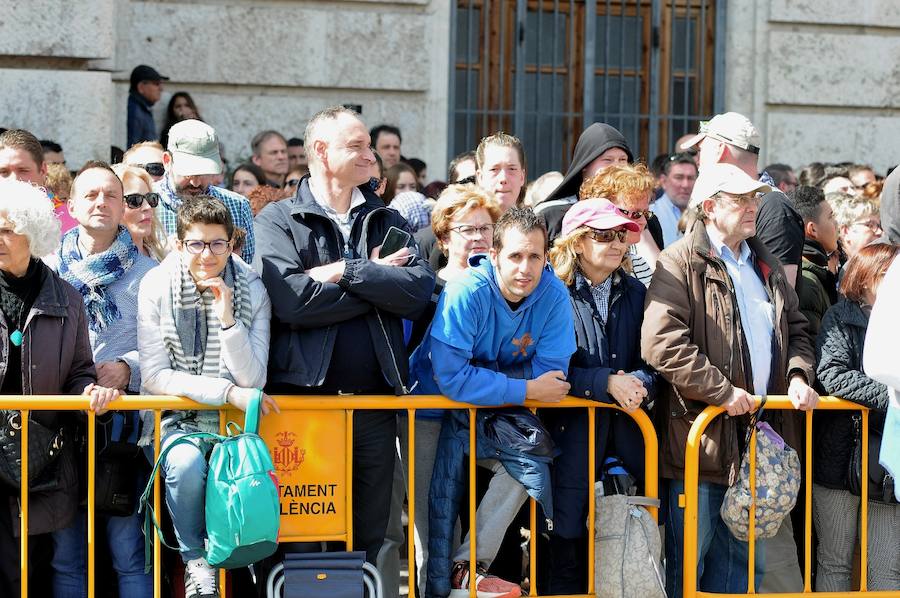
[689, 500]
[276, 429]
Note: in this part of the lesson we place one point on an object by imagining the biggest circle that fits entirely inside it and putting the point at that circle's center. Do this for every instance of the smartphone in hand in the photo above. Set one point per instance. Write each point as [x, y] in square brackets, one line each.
[395, 240]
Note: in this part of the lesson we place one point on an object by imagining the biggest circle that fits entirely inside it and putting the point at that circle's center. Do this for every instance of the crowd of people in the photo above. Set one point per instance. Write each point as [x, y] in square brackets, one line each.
[701, 279]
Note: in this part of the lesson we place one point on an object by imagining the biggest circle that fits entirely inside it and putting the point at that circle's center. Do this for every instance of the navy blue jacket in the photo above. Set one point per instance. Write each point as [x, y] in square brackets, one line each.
[601, 351]
[526, 457]
[140, 120]
[294, 235]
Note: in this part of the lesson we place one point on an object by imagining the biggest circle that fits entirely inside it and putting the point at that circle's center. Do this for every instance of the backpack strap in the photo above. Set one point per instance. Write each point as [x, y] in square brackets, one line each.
[150, 521]
[251, 418]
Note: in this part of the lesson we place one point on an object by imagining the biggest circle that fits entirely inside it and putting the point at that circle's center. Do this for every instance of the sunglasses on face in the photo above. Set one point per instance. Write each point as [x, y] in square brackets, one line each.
[609, 235]
[634, 214]
[136, 200]
[292, 182]
[154, 168]
[217, 247]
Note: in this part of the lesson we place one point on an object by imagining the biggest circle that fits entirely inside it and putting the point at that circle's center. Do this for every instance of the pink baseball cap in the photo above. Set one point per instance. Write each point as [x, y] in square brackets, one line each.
[598, 213]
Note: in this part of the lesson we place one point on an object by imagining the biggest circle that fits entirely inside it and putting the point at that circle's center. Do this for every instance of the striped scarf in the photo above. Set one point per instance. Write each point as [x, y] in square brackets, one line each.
[190, 327]
[91, 274]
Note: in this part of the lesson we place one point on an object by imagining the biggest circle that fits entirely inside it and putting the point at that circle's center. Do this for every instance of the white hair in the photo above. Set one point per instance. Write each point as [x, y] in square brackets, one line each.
[30, 212]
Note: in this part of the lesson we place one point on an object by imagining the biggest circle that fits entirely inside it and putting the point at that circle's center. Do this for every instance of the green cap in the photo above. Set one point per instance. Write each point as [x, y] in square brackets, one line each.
[195, 149]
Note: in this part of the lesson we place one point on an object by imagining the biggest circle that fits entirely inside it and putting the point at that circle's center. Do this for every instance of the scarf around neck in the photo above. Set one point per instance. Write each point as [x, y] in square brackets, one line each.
[91, 275]
[183, 318]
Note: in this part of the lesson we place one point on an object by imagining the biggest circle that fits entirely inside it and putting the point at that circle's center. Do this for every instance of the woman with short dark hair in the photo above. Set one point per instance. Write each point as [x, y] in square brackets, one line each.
[203, 333]
[247, 177]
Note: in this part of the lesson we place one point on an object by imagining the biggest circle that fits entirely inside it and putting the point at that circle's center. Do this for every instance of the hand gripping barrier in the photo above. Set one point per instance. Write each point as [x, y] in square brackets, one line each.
[337, 412]
[689, 500]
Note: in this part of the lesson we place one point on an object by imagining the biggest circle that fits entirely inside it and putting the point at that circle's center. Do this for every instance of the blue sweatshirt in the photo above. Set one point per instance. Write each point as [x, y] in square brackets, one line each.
[481, 351]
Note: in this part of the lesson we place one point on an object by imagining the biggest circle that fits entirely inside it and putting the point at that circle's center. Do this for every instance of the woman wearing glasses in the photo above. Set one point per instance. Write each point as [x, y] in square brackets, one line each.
[591, 257]
[463, 223]
[140, 211]
[203, 333]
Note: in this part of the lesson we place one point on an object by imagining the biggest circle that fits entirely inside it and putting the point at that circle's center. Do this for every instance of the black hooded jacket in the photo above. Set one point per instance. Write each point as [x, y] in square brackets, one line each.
[595, 140]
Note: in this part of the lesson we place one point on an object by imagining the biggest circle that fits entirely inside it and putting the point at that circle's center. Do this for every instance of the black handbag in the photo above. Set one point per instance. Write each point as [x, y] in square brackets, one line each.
[881, 484]
[120, 464]
[44, 448]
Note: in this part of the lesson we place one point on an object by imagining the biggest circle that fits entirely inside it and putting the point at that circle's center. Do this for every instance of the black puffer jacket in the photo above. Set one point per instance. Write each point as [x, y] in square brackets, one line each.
[840, 371]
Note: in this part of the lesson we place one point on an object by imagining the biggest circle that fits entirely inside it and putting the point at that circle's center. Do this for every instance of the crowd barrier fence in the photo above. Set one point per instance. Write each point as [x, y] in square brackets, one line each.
[689, 501]
[323, 427]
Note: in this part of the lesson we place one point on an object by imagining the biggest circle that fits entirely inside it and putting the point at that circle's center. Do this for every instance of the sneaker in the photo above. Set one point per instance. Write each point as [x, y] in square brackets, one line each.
[200, 580]
[486, 586]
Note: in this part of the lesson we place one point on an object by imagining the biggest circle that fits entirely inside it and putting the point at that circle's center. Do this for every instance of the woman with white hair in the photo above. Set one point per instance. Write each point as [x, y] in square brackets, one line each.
[43, 324]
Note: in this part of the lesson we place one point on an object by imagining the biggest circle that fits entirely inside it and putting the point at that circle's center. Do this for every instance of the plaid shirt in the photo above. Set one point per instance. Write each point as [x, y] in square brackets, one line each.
[237, 204]
[601, 293]
[413, 208]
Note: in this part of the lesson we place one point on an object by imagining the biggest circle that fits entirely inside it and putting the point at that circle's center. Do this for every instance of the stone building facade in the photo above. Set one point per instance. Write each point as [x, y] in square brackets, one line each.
[816, 76]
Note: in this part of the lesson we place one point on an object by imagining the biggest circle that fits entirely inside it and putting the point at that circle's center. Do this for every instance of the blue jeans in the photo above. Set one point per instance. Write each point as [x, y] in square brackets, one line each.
[721, 558]
[184, 472]
[126, 547]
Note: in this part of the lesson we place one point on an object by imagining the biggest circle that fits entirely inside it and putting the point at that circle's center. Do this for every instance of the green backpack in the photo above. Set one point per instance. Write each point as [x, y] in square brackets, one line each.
[242, 502]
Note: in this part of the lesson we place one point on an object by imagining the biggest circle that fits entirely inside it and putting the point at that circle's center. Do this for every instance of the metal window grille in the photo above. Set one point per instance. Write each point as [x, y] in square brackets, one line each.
[546, 69]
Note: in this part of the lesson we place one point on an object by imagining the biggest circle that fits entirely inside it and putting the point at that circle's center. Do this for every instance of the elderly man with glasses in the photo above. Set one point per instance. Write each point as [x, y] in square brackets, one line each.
[721, 324]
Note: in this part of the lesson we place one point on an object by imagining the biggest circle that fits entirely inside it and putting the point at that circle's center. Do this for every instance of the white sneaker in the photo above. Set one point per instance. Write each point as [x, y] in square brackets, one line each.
[200, 580]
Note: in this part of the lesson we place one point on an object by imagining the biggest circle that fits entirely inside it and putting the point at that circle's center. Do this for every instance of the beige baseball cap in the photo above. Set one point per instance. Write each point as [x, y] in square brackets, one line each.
[732, 128]
[195, 149]
[724, 177]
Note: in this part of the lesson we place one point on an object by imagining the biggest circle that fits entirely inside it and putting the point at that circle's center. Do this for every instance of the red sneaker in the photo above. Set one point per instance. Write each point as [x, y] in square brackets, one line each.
[486, 586]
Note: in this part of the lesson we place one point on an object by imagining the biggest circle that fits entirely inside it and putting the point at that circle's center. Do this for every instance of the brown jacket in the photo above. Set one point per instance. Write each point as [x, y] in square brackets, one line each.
[56, 359]
[692, 336]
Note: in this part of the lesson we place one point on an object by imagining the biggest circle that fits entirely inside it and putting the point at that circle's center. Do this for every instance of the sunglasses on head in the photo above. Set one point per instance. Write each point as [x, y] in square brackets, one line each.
[609, 235]
[136, 200]
[154, 168]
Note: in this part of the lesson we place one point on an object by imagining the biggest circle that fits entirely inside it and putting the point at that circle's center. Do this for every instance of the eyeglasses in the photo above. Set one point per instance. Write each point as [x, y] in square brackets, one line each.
[136, 200]
[217, 247]
[153, 168]
[635, 214]
[608, 235]
[872, 225]
[292, 182]
[740, 201]
[468, 230]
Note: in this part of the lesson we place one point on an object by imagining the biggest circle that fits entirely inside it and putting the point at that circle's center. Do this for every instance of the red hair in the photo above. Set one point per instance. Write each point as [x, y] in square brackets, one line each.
[866, 269]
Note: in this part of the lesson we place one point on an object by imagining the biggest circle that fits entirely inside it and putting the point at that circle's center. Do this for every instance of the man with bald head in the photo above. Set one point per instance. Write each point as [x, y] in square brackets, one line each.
[338, 305]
